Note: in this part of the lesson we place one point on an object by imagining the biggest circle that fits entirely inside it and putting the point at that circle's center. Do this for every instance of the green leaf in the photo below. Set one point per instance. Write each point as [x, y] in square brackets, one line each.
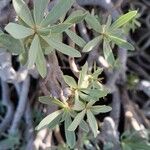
[92, 122]
[45, 100]
[23, 58]
[97, 73]
[70, 81]
[76, 17]
[23, 12]
[57, 11]
[33, 51]
[108, 23]
[70, 135]
[39, 8]
[63, 48]
[13, 45]
[48, 119]
[56, 121]
[18, 31]
[100, 109]
[93, 22]
[121, 43]
[83, 78]
[78, 105]
[77, 120]
[108, 55]
[123, 19]
[41, 63]
[48, 50]
[75, 38]
[50, 101]
[90, 45]
[60, 27]
[96, 93]
[84, 126]
[58, 102]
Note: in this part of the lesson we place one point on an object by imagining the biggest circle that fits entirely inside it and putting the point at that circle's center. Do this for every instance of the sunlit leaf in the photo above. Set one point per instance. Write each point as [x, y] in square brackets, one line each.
[18, 31]
[41, 62]
[78, 105]
[39, 8]
[90, 45]
[45, 100]
[70, 81]
[48, 119]
[57, 11]
[93, 22]
[60, 27]
[70, 135]
[97, 72]
[23, 12]
[121, 43]
[83, 78]
[84, 126]
[76, 17]
[123, 19]
[77, 120]
[33, 51]
[108, 55]
[65, 49]
[100, 109]
[55, 122]
[75, 38]
[92, 122]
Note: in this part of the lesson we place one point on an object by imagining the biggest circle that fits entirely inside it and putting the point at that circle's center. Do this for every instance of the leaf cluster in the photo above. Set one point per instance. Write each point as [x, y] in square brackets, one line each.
[133, 140]
[41, 34]
[80, 106]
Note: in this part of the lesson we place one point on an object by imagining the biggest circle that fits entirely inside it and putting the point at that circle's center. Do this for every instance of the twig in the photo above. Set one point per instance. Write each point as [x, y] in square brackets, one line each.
[21, 106]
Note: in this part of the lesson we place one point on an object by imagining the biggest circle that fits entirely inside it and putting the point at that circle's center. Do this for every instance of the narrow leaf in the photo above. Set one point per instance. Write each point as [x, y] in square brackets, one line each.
[84, 126]
[92, 122]
[41, 63]
[70, 81]
[70, 135]
[83, 77]
[108, 55]
[76, 17]
[50, 100]
[78, 105]
[121, 43]
[90, 45]
[55, 122]
[48, 119]
[33, 51]
[23, 12]
[39, 8]
[77, 120]
[18, 31]
[60, 27]
[123, 19]
[75, 38]
[93, 22]
[63, 48]
[45, 100]
[57, 11]
[100, 109]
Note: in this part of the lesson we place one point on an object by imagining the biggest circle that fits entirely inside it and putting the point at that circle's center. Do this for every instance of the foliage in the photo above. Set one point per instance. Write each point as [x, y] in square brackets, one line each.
[133, 140]
[36, 35]
[82, 101]
[41, 34]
